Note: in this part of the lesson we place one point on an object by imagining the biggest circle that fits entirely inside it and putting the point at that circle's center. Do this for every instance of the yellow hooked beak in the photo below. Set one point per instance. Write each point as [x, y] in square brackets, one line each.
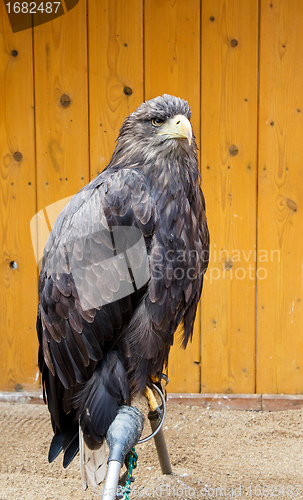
[177, 127]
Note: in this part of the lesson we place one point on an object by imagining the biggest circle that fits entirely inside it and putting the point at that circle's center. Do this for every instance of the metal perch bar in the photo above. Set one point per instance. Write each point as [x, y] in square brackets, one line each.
[111, 481]
[160, 443]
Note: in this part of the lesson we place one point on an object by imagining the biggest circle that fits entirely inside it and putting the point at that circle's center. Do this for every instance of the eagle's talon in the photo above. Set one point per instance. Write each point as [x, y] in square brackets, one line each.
[152, 402]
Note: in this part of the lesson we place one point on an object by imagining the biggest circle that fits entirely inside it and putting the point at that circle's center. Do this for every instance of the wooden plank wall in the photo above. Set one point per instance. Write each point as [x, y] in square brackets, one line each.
[18, 346]
[229, 170]
[280, 215]
[64, 93]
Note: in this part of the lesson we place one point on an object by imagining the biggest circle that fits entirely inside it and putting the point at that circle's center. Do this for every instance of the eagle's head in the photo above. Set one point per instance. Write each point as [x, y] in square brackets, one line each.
[159, 128]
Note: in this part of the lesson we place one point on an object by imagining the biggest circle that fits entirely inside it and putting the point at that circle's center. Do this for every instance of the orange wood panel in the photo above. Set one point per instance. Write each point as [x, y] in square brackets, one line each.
[115, 72]
[229, 67]
[172, 66]
[18, 276]
[61, 97]
[107, 63]
[280, 214]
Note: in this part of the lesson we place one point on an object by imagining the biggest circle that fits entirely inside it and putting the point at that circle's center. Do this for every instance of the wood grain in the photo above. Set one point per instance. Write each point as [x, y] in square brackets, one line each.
[18, 344]
[115, 72]
[172, 66]
[229, 166]
[280, 215]
[60, 52]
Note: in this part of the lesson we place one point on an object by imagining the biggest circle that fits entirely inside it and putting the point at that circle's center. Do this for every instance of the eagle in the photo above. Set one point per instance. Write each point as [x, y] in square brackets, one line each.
[122, 271]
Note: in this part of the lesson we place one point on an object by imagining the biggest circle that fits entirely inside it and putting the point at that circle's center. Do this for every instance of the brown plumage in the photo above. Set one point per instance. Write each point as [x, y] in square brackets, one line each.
[98, 346]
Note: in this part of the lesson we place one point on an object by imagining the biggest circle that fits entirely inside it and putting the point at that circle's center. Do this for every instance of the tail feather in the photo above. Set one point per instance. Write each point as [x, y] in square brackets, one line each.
[71, 451]
[56, 447]
[92, 463]
[65, 441]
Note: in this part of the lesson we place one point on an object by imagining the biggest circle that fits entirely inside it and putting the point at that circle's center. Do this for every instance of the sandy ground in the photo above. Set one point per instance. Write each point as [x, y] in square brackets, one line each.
[214, 454]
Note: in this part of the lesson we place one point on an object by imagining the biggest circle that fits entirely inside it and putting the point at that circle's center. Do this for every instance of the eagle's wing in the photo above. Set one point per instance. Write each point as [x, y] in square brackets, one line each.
[193, 285]
[84, 270]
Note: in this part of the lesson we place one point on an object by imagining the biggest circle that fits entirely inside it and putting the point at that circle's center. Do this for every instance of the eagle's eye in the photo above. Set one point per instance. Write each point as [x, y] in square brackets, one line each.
[157, 122]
